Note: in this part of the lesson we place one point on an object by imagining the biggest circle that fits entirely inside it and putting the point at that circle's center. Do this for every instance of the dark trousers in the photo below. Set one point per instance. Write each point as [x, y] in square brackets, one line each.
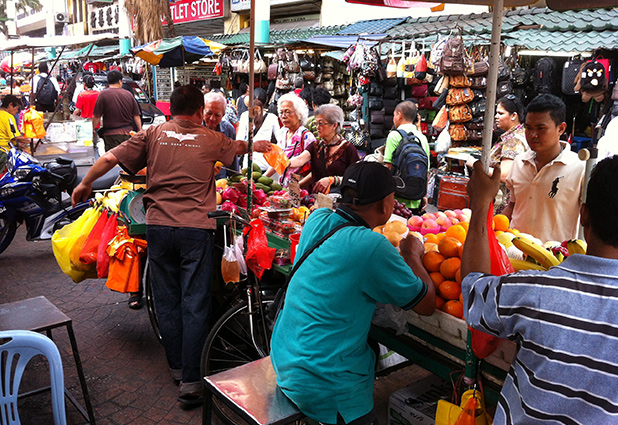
[370, 418]
[114, 140]
[180, 261]
[45, 108]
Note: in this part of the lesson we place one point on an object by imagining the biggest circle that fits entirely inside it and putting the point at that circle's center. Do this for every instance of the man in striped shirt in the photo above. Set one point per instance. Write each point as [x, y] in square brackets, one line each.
[564, 320]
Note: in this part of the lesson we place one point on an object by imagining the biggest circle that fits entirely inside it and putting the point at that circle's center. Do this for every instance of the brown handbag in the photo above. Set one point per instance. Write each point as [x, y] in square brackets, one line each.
[480, 68]
[273, 71]
[458, 132]
[459, 96]
[459, 113]
[459, 81]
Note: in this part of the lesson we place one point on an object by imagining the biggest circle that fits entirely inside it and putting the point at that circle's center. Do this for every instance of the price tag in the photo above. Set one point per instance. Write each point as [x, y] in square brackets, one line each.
[294, 190]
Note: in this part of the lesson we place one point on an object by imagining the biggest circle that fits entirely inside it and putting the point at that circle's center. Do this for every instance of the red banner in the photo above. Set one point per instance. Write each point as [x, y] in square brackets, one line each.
[195, 10]
[402, 4]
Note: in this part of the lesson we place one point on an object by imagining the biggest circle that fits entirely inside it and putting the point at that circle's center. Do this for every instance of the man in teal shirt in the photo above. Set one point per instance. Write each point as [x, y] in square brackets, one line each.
[319, 346]
[404, 118]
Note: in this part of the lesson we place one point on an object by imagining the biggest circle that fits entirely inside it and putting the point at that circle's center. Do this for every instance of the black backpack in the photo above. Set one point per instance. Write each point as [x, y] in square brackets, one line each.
[545, 75]
[410, 163]
[46, 93]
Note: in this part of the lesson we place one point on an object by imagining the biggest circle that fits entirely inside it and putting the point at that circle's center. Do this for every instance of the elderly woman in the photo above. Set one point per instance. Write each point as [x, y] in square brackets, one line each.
[294, 138]
[332, 154]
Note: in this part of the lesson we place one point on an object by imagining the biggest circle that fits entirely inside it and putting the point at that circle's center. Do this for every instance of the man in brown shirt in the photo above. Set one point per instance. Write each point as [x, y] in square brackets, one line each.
[180, 156]
[119, 110]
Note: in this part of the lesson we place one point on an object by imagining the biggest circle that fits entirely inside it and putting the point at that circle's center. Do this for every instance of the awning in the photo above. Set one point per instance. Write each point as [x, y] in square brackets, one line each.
[55, 41]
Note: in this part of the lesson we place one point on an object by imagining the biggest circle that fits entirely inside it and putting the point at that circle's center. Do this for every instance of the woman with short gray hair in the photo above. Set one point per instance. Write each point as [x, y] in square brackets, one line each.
[293, 138]
[332, 154]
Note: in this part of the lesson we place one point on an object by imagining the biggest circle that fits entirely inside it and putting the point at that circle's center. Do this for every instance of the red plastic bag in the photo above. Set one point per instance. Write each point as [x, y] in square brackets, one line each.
[88, 255]
[484, 344]
[259, 255]
[109, 231]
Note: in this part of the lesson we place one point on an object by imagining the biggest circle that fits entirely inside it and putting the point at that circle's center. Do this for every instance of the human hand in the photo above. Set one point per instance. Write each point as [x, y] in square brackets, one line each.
[80, 193]
[411, 246]
[483, 187]
[218, 166]
[322, 185]
[263, 146]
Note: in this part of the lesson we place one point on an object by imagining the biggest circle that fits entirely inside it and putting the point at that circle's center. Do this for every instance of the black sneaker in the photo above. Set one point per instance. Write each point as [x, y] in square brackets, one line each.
[190, 401]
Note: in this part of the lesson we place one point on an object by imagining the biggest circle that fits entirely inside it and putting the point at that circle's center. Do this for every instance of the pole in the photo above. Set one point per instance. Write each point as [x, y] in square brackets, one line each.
[492, 81]
[12, 73]
[251, 108]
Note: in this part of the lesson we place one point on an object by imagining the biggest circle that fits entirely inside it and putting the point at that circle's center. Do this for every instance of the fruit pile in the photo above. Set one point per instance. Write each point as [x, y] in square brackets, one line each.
[401, 210]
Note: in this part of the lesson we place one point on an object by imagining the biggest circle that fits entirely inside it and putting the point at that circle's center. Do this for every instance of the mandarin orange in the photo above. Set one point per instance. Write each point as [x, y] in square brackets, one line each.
[449, 290]
[432, 261]
[439, 302]
[449, 247]
[454, 308]
[501, 222]
[436, 278]
[458, 232]
[449, 267]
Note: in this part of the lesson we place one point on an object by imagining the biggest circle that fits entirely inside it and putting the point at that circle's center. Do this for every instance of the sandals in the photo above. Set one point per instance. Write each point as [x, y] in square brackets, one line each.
[135, 301]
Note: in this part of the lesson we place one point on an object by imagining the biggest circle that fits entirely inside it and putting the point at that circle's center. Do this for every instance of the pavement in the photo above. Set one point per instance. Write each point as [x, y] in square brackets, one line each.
[123, 361]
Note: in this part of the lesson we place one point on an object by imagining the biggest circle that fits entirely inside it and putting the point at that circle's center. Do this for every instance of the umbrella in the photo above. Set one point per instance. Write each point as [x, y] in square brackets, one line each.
[177, 51]
[19, 60]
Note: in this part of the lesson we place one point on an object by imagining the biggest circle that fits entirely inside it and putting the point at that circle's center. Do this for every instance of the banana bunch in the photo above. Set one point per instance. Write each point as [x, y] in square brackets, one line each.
[577, 246]
[537, 256]
[112, 198]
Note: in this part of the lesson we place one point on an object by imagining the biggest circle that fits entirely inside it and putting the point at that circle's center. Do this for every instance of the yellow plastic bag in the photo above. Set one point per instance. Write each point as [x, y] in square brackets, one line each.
[67, 244]
[34, 126]
[449, 413]
[276, 158]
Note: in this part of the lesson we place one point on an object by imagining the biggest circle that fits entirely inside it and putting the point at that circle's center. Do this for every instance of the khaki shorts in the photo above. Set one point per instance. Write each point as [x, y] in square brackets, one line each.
[114, 140]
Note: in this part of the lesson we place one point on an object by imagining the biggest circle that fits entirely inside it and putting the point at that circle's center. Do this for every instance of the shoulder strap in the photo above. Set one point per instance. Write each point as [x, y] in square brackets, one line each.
[280, 296]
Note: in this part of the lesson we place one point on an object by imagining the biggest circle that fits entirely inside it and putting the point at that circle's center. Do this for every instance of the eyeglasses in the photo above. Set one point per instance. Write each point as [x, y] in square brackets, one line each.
[321, 123]
[286, 112]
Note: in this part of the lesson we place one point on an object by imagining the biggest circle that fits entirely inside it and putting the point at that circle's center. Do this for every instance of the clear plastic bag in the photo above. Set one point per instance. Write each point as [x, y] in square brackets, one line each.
[230, 269]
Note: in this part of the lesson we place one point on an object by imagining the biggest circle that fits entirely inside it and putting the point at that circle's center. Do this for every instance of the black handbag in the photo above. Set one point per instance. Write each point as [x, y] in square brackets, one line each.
[376, 130]
[391, 92]
[389, 105]
[440, 101]
[504, 88]
[478, 108]
[375, 103]
[377, 117]
[375, 89]
[569, 73]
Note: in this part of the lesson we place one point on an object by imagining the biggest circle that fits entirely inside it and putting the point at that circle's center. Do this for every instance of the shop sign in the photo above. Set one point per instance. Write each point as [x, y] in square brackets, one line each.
[103, 18]
[195, 10]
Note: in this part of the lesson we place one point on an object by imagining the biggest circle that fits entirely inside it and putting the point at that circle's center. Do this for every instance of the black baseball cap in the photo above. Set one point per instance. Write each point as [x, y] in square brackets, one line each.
[372, 182]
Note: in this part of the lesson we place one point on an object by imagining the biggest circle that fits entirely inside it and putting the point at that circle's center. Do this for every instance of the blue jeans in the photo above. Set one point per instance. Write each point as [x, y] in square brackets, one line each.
[181, 261]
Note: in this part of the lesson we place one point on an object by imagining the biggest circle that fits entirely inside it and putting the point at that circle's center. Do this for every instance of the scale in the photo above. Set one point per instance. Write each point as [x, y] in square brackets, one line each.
[132, 212]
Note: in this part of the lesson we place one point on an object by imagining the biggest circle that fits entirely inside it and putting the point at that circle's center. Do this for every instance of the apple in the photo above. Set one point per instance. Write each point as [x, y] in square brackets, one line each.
[454, 220]
[458, 211]
[429, 216]
[429, 224]
[415, 221]
[440, 214]
[444, 222]
[467, 211]
[463, 217]
[450, 213]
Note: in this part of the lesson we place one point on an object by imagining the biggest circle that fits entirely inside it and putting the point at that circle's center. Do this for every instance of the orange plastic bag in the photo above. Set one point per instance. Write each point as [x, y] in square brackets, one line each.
[276, 158]
[124, 266]
[88, 253]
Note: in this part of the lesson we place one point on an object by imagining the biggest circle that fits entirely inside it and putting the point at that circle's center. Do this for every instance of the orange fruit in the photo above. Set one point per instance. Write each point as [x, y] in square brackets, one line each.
[498, 232]
[465, 225]
[436, 278]
[430, 247]
[449, 290]
[393, 237]
[449, 247]
[454, 308]
[458, 232]
[461, 298]
[432, 261]
[458, 276]
[431, 238]
[439, 302]
[449, 267]
[501, 222]
[460, 253]
[441, 236]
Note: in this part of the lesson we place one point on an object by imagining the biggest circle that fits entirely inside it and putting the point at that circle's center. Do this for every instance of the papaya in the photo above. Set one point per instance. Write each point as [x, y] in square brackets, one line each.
[276, 186]
[262, 186]
[256, 167]
[235, 178]
[256, 175]
[244, 171]
[265, 180]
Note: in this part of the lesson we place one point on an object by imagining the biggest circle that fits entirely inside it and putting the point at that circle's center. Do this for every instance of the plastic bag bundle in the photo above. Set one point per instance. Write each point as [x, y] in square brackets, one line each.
[276, 158]
[259, 255]
[33, 124]
[88, 254]
[124, 265]
[108, 233]
[67, 244]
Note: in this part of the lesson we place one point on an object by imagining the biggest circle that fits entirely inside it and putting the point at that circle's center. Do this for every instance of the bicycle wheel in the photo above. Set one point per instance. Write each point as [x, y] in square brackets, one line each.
[150, 306]
[231, 343]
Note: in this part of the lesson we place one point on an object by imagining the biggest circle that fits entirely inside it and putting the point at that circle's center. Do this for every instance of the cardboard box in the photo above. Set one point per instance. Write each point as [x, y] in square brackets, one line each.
[416, 404]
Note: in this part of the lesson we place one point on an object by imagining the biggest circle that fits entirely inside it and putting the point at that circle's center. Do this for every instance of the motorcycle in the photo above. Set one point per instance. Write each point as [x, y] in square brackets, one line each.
[37, 194]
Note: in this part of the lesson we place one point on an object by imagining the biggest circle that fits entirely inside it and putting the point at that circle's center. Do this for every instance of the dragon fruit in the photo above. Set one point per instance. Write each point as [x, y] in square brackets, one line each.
[259, 196]
[230, 194]
[229, 206]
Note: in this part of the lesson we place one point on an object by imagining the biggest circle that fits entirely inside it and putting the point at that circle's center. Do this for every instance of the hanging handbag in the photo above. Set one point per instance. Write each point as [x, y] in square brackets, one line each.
[243, 65]
[459, 113]
[478, 83]
[291, 64]
[419, 91]
[259, 66]
[458, 132]
[476, 123]
[391, 68]
[273, 71]
[390, 105]
[459, 96]
[504, 88]
[459, 81]
[283, 83]
[441, 100]
[420, 69]
[390, 92]
[375, 103]
[375, 89]
[305, 63]
[504, 72]
[377, 117]
[478, 108]
[480, 68]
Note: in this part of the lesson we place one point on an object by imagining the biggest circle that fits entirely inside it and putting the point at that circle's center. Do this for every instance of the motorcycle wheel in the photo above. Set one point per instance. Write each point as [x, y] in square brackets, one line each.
[7, 231]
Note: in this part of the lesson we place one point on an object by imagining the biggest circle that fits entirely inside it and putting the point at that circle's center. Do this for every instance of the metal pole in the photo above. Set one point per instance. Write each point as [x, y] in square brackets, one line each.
[12, 72]
[32, 79]
[251, 107]
[492, 81]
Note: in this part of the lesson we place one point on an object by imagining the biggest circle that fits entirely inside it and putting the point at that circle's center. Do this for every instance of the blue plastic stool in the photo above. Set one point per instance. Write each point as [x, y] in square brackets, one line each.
[25, 345]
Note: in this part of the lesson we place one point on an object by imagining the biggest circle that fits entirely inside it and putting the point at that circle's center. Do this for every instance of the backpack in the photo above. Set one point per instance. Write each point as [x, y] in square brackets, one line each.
[411, 164]
[459, 113]
[569, 74]
[452, 60]
[593, 76]
[46, 94]
[544, 75]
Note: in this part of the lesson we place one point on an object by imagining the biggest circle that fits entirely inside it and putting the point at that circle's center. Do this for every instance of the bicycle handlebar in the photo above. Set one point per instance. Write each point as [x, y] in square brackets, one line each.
[228, 215]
